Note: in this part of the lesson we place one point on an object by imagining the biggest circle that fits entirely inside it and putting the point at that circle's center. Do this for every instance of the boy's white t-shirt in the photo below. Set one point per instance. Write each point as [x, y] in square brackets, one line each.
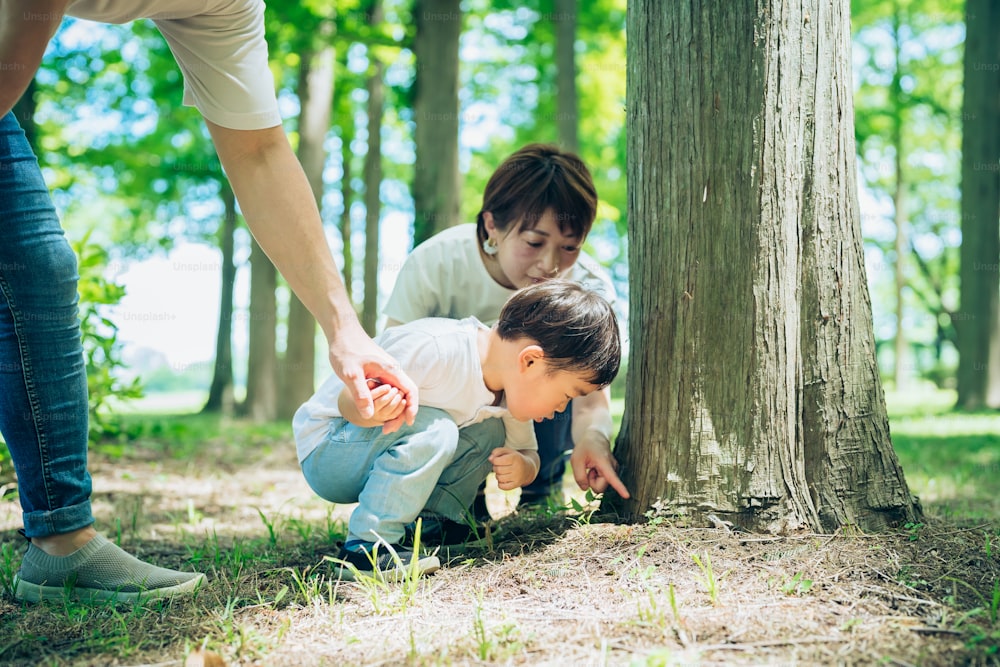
[442, 357]
[220, 48]
[445, 277]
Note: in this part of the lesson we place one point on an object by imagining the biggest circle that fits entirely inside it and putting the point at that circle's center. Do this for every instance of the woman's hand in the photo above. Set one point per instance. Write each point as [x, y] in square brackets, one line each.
[594, 467]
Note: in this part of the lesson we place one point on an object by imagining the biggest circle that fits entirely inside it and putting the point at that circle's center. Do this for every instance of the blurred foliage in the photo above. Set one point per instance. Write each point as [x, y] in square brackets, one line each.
[952, 460]
[508, 89]
[101, 349]
[125, 158]
[908, 100]
[126, 161]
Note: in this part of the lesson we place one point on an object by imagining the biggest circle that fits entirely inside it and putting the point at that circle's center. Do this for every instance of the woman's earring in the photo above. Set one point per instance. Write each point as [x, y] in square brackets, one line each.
[490, 247]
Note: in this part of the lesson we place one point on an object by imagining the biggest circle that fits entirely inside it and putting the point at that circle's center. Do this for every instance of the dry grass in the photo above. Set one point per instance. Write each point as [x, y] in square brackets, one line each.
[554, 590]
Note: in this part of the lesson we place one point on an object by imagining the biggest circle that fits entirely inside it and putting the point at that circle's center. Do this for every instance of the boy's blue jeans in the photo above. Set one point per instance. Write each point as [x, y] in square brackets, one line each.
[43, 381]
[430, 466]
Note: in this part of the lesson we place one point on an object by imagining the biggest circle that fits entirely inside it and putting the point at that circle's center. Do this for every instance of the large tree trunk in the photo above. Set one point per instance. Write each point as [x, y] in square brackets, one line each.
[220, 393]
[436, 185]
[566, 96]
[978, 319]
[261, 403]
[316, 97]
[753, 394]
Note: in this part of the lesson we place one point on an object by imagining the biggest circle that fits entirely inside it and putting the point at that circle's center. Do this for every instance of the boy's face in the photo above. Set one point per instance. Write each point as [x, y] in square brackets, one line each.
[540, 393]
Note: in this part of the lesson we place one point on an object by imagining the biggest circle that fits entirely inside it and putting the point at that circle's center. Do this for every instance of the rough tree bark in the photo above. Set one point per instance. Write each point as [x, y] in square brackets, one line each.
[436, 186]
[753, 394]
[978, 320]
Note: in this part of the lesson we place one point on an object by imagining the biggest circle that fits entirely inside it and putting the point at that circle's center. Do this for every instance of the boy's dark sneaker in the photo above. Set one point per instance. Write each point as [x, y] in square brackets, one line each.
[386, 562]
[440, 532]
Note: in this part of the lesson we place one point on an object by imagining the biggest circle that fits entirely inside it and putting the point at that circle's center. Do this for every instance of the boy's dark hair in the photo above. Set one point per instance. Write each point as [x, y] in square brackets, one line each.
[577, 329]
[533, 180]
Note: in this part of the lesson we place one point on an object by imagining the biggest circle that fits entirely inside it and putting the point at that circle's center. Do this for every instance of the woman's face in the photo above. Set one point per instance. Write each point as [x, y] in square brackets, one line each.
[529, 256]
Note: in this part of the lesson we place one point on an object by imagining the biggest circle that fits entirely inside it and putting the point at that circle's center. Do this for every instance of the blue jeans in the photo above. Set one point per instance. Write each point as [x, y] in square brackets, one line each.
[430, 466]
[43, 381]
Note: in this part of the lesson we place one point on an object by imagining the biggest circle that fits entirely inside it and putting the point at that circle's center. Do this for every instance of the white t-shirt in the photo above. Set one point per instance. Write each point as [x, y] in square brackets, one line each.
[442, 357]
[219, 46]
[445, 277]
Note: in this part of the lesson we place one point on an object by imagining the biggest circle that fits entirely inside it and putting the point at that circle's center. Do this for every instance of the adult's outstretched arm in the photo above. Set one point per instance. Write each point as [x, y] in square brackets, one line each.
[281, 213]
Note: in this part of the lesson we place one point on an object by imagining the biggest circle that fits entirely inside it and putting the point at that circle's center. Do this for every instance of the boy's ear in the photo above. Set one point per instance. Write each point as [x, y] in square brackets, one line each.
[530, 356]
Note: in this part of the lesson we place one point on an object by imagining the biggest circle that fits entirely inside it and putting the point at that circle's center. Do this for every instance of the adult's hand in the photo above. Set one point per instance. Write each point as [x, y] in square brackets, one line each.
[594, 467]
[355, 359]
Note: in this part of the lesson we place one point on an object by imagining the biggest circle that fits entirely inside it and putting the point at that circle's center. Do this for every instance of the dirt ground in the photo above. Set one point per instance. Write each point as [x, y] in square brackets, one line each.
[553, 590]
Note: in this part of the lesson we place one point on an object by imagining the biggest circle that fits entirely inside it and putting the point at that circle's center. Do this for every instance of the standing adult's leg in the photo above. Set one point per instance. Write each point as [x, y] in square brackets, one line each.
[43, 381]
[43, 401]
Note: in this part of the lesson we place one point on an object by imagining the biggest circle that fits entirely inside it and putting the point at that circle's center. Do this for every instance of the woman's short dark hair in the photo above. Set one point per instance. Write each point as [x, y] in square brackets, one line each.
[576, 328]
[533, 180]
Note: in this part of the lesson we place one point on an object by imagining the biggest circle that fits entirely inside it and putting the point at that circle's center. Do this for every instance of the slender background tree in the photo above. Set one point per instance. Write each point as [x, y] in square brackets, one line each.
[435, 103]
[978, 321]
[908, 89]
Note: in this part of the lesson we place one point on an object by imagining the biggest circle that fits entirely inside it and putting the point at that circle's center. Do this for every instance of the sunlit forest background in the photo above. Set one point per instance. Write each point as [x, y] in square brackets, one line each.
[143, 197]
[197, 353]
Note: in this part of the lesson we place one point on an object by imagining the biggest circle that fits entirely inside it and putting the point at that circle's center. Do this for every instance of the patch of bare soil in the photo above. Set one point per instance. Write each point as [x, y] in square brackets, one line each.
[553, 589]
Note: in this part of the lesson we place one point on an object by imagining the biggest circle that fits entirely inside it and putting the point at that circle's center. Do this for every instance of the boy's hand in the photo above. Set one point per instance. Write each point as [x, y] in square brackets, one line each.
[358, 361]
[512, 468]
[388, 402]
